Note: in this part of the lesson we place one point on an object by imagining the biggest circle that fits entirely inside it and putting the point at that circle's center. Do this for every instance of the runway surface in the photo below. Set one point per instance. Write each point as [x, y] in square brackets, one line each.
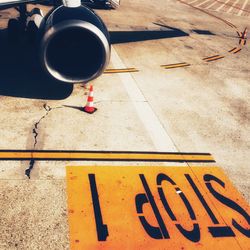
[177, 82]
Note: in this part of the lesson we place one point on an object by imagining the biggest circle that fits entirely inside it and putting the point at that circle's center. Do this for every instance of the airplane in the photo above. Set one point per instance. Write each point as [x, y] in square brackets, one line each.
[73, 42]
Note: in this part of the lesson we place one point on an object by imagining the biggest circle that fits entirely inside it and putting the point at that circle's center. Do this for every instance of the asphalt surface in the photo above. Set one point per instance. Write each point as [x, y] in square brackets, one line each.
[202, 107]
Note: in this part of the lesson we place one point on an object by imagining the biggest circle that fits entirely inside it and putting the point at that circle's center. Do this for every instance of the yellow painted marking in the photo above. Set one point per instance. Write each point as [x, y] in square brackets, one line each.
[237, 50]
[175, 65]
[213, 58]
[239, 34]
[19, 155]
[232, 50]
[243, 41]
[127, 70]
[118, 207]
[230, 24]
[210, 57]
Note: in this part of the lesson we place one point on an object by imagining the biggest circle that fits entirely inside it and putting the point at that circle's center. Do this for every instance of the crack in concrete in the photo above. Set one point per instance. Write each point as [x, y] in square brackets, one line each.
[28, 170]
[35, 135]
[35, 129]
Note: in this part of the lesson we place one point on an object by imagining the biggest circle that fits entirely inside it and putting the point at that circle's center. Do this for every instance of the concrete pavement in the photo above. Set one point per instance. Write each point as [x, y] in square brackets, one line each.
[200, 108]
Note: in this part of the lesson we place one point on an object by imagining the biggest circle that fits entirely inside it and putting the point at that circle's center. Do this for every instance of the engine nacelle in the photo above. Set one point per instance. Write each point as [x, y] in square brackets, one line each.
[74, 44]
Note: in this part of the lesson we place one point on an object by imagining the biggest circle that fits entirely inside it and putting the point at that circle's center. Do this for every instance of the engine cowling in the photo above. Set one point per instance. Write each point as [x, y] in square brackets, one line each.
[74, 44]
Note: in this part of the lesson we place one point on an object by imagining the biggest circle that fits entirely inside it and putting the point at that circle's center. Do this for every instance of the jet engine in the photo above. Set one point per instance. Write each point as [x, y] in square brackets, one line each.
[74, 44]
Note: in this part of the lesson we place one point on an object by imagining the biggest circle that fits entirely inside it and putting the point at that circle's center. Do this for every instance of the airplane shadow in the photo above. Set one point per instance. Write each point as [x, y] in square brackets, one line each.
[22, 76]
[145, 35]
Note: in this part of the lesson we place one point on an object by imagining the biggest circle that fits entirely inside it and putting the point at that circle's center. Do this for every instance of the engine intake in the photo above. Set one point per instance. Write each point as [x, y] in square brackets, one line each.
[75, 46]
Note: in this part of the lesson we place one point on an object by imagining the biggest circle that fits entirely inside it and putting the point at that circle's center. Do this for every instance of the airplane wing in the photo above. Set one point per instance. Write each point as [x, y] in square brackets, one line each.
[12, 3]
[6, 4]
[15, 2]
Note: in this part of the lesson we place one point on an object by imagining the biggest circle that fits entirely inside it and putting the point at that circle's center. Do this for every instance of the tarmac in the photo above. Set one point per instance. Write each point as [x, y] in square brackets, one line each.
[203, 106]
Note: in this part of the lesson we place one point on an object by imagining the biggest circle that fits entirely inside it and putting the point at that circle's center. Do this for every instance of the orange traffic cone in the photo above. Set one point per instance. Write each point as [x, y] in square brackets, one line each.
[89, 108]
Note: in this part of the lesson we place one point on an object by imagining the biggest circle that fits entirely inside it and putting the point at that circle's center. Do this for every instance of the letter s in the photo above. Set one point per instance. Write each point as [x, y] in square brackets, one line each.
[228, 202]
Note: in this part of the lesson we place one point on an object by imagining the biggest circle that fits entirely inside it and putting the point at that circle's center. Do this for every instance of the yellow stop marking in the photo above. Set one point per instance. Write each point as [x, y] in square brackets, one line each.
[127, 207]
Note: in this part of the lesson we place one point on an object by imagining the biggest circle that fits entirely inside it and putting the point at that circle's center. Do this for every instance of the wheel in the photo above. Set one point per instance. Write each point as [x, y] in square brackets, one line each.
[13, 30]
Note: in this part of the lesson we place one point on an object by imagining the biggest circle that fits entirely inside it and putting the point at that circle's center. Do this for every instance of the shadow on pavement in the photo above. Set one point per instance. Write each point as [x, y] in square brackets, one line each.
[74, 107]
[144, 35]
[21, 74]
[203, 32]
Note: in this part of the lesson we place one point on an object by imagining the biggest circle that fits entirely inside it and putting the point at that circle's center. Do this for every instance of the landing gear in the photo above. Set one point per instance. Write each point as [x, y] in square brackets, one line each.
[14, 30]
[17, 26]
[31, 31]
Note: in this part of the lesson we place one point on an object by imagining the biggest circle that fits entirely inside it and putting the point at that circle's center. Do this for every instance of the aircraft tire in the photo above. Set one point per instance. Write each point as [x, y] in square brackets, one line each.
[13, 30]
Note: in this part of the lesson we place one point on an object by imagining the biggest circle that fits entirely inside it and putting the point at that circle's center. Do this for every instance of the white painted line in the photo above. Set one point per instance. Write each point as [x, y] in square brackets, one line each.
[202, 3]
[230, 9]
[219, 8]
[209, 6]
[193, 1]
[155, 129]
[242, 8]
